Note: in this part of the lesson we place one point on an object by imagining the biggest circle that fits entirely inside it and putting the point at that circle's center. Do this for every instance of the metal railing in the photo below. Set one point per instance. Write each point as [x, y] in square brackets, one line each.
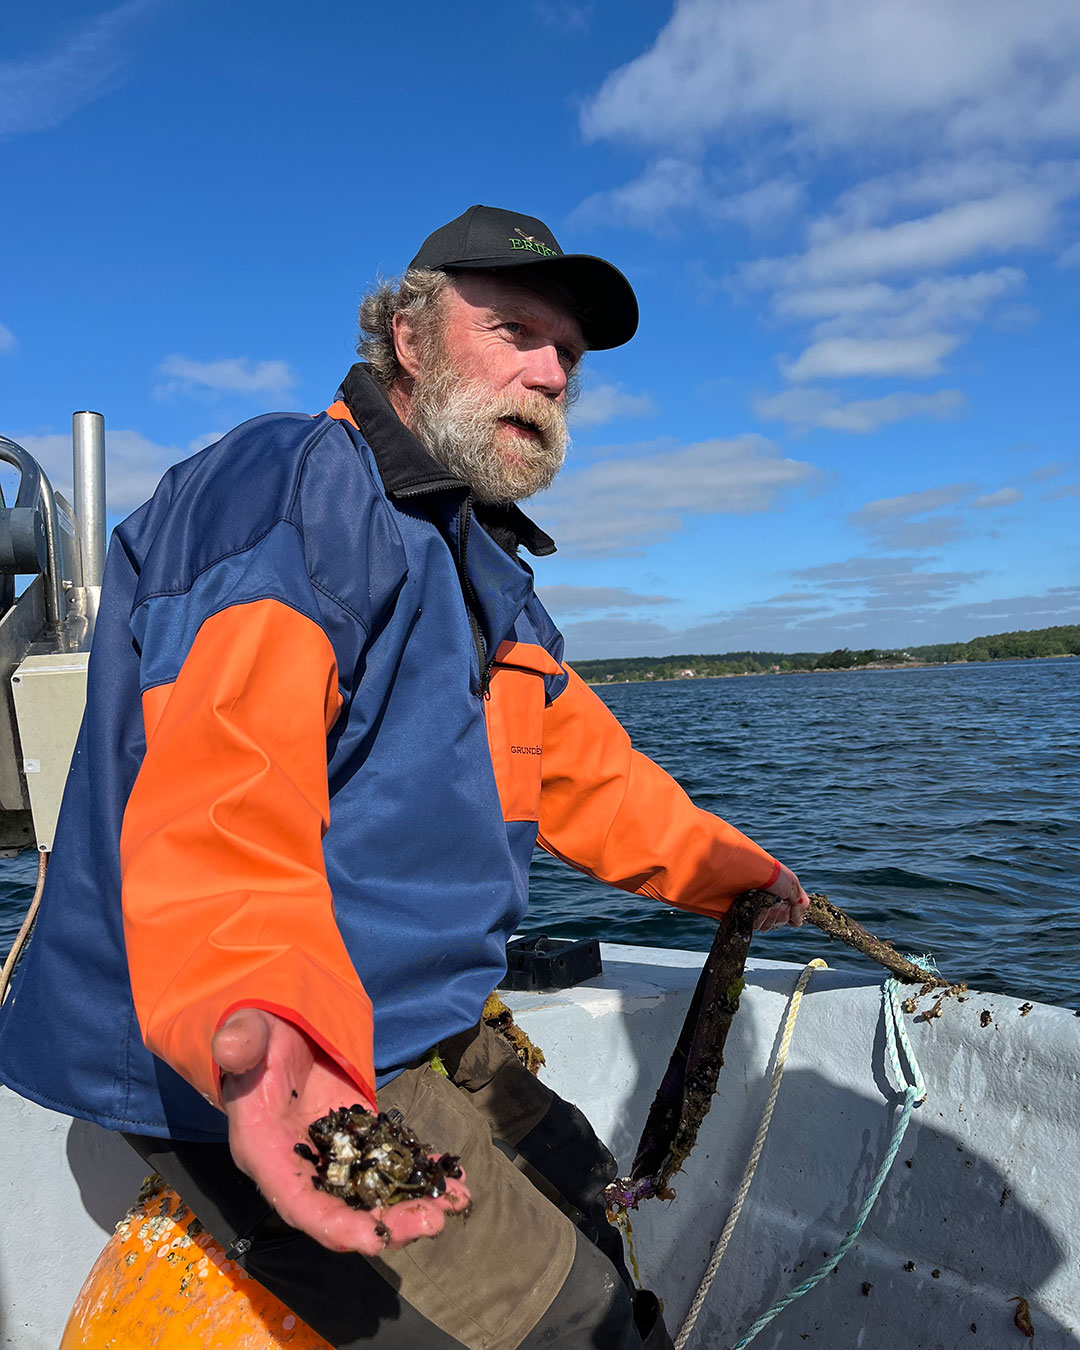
[72, 585]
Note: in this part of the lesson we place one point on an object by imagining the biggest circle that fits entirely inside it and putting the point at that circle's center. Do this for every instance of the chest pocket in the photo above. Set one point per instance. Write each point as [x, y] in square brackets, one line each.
[515, 725]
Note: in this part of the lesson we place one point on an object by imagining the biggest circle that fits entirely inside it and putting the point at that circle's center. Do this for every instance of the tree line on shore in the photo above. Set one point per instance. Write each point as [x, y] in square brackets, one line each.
[1037, 642]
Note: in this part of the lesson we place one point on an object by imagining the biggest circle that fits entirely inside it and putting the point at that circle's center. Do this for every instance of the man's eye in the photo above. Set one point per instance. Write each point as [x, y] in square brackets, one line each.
[512, 326]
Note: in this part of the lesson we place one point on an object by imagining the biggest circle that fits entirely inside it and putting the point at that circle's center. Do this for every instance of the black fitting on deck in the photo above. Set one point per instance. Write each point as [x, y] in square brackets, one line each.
[23, 546]
[541, 964]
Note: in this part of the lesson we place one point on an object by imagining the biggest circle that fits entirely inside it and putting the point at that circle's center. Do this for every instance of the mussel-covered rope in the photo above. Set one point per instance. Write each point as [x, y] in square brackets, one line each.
[24, 931]
[755, 1153]
[909, 1075]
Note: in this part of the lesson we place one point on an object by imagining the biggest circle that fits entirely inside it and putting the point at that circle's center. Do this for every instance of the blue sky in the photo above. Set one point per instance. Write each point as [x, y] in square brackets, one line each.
[850, 415]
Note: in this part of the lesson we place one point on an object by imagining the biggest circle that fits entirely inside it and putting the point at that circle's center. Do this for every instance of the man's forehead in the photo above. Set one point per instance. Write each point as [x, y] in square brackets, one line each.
[482, 290]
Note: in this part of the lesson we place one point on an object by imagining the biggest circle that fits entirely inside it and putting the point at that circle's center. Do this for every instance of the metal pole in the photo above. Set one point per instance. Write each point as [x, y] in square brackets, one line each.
[88, 440]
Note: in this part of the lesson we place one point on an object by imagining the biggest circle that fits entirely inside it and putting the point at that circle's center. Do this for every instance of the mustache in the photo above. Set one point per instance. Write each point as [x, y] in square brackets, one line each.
[533, 410]
[458, 421]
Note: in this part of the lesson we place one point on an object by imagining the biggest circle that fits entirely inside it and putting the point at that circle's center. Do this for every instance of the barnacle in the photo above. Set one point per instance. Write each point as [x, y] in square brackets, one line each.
[373, 1161]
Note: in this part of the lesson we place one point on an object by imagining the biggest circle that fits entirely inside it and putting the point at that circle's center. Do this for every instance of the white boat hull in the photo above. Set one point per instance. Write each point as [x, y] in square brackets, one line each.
[981, 1206]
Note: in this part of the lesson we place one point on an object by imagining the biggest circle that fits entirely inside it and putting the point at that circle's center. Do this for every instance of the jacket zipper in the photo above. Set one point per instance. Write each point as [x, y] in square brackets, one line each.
[472, 604]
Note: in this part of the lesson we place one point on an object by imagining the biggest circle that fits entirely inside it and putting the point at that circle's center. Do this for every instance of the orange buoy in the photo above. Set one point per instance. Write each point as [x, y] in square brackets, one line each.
[163, 1283]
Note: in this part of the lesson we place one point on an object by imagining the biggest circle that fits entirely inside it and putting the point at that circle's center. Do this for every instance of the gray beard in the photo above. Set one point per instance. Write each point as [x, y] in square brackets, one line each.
[458, 423]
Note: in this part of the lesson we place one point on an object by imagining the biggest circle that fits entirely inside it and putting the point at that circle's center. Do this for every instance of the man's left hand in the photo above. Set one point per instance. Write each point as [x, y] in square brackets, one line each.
[792, 906]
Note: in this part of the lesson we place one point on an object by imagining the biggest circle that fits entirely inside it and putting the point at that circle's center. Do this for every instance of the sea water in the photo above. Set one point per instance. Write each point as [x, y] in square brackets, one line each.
[938, 806]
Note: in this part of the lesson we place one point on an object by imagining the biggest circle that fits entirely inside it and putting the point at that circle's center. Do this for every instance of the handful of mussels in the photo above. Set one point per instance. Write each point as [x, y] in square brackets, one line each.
[373, 1161]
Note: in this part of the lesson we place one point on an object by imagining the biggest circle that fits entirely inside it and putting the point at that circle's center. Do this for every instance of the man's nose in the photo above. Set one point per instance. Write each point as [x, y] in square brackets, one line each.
[544, 373]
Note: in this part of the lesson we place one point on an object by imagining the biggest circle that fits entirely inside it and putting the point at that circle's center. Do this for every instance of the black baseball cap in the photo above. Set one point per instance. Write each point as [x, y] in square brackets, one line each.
[486, 237]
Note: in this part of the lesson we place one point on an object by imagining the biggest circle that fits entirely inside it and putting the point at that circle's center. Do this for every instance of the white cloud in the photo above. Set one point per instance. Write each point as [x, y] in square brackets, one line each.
[829, 73]
[1007, 496]
[649, 201]
[973, 122]
[837, 358]
[1071, 256]
[40, 92]
[237, 375]
[914, 521]
[595, 638]
[7, 340]
[606, 402]
[971, 175]
[201, 442]
[882, 575]
[846, 302]
[1059, 493]
[1057, 605]
[761, 206]
[868, 602]
[133, 464]
[864, 326]
[871, 328]
[873, 309]
[1023, 217]
[619, 505]
[910, 503]
[671, 186]
[884, 584]
[579, 599]
[1046, 471]
[823, 408]
[1016, 318]
[934, 532]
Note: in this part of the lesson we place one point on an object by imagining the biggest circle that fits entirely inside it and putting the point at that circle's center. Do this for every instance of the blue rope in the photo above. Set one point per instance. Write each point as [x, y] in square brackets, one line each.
[914, 1091]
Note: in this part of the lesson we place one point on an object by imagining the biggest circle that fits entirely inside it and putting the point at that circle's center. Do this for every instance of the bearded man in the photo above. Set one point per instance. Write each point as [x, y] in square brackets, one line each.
[327, 722]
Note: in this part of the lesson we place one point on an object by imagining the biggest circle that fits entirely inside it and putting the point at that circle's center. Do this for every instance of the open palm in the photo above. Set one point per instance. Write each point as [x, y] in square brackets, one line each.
[275, 1082]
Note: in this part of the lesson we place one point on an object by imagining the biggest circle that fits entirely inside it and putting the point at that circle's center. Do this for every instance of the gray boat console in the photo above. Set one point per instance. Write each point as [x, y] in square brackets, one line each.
[45, 633]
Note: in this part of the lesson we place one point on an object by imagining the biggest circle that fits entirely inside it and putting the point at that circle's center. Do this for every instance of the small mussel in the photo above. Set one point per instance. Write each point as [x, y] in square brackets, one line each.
[373, 1161]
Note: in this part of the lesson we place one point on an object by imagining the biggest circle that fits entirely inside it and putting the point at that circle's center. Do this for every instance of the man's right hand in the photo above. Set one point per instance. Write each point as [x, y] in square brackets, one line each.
[275, 1082]
[792, 906]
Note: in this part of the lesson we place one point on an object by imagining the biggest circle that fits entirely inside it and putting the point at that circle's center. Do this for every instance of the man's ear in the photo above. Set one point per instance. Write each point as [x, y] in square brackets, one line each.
[406, 345]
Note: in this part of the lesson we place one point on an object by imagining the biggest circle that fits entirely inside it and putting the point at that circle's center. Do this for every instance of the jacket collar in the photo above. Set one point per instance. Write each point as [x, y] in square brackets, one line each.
[407, 470]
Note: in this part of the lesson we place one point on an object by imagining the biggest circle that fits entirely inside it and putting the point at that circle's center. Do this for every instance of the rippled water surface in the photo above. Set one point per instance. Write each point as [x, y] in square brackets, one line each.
[938, 806]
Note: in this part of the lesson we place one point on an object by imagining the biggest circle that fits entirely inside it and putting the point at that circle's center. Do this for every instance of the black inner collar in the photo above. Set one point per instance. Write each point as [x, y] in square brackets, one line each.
[407, 470]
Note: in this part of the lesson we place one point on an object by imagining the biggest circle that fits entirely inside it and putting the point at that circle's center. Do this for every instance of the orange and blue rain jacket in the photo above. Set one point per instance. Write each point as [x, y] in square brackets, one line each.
[327, 723]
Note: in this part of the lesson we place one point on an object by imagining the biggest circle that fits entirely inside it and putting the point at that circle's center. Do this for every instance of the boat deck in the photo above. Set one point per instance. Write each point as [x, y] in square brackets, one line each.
[981, 1206]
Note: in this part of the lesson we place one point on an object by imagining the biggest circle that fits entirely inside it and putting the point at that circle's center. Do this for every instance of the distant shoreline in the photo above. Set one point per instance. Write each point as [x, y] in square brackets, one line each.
[829, 670]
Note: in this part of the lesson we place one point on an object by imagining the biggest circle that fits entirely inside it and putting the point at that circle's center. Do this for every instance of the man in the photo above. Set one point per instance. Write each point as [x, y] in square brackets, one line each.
[327, 722]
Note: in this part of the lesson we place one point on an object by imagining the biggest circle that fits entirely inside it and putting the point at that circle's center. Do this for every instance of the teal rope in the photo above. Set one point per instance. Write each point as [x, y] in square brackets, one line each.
[914, 1093]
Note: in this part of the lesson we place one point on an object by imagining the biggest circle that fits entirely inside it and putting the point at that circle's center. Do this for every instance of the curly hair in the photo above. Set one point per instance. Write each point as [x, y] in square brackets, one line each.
[417, 294]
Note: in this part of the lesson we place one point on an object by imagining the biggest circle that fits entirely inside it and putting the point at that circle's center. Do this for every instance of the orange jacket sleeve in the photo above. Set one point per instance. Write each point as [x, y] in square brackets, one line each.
[616, 815]
[225, 897]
